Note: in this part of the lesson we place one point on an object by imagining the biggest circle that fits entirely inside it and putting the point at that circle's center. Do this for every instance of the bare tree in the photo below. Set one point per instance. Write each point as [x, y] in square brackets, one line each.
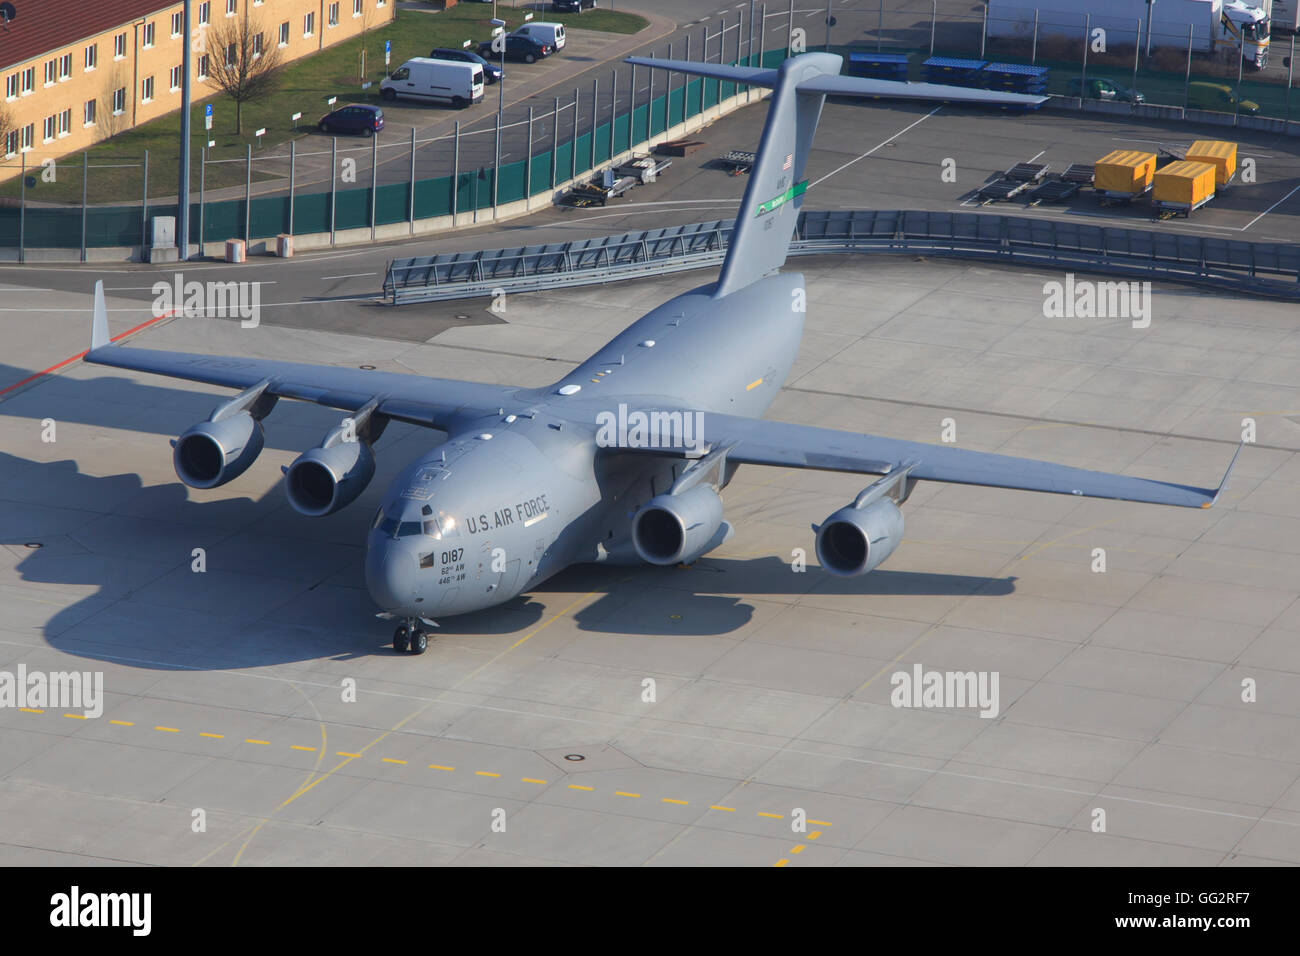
[110, 121]
[241, 63]
[7, 124]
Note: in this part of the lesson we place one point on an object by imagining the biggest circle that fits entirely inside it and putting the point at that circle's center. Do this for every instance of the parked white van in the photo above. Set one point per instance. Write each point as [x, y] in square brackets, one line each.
[552, 34]
[435, 81]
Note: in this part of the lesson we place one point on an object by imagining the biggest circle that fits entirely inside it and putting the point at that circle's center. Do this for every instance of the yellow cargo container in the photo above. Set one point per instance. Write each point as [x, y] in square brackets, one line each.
[1184, 185]
[1220, 154]
[1127, 171]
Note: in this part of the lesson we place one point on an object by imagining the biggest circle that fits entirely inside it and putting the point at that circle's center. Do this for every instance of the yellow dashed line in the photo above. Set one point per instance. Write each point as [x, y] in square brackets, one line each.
[671, 800]
[264, 743]
[438, 766]
[31, 710]
[77, 716]
[774, 816]
[624, 793]
[168, 730]
[391, 760]
[532, 780]
[714, 806]
[819, 823]
[781, 862]
[344, 753]
[301, 747]
[798, 848]
[815, 834]
[204, 733]
[485, 773]
[123, 723]
[578, 786]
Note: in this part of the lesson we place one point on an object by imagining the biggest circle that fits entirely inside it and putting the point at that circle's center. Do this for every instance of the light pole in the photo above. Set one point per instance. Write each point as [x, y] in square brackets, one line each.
[183, 186]
[499, 40]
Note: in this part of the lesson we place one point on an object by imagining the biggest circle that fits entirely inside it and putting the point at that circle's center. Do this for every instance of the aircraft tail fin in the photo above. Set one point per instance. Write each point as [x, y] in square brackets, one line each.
[769, 211]
[99, 336]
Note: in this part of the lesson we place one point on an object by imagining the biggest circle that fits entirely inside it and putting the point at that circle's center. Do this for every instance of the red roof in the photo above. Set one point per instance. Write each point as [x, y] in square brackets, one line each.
[43, 26]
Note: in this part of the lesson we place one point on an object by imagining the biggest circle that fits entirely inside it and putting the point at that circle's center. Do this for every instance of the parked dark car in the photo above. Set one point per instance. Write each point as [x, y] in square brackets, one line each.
[517, 48]
[491, 71]
[1103, 89]
[357, 118]
[573, 6]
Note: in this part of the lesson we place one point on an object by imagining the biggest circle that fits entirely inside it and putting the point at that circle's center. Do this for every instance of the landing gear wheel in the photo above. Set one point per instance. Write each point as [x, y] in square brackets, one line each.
[401, 639]
[419, 642]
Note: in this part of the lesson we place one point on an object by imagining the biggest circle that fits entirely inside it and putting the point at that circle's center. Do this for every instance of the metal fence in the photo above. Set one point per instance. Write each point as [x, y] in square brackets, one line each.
[1254, 268]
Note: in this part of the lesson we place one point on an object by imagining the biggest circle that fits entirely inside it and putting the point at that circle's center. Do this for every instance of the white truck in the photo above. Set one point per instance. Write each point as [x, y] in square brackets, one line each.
[1215, 24]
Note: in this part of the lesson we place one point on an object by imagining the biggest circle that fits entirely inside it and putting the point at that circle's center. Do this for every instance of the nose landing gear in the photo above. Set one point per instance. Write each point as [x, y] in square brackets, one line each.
[410, 638]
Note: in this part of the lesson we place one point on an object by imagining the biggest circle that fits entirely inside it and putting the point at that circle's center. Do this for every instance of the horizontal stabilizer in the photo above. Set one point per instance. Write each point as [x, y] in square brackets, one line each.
[752, 75]
[861, 86]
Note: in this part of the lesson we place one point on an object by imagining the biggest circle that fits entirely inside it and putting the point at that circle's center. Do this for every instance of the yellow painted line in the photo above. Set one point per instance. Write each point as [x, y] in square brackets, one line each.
[671, 800]
[624, 793]
[815, 834]
[578, 786]
[819, 823]
[31, 710]
[438, 766]
[77, 716]
[167, 730]
[798, 848]
[532, 780]
[774, 816]
[301, 747]
[344, 753]
[753, 385]
[782, 862]
[204, 733]
[264, 743]
[123, 723]
[391, 760]
[485, 773]
[714, 806]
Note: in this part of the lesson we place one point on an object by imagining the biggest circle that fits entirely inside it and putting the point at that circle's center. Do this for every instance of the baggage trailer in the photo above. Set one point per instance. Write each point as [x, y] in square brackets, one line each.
[1182, 187]
[1220, 154]
[1123, 175]
[737, 161]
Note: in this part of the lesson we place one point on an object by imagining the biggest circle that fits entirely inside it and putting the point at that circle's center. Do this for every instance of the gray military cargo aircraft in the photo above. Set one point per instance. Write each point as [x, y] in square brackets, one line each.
[622, 460]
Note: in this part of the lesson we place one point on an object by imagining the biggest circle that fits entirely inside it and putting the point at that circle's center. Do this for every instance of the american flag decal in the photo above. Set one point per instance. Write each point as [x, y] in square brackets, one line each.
[789, 161]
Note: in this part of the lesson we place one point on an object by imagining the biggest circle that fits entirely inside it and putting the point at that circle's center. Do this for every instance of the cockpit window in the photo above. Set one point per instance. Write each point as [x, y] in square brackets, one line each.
[407, 528]
[441, 526]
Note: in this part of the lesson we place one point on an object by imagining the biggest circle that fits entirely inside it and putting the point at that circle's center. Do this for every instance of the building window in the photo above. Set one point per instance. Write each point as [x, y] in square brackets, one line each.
[230, 54]
[89, 113]
[334, 15]
[257, 45]
[146, 35]
[203, 67]
[177, 23]
[65, 122]
[309, 24]
[146, 89]
[65, 67]
[51, 66]
[11, 143]
[232, 7]
[356, 8]
[119, 101]
[11, 86]
[92, 57]
[119, 46]
[284, 33]
[205, 12]
[28, 137]
[47, 129]
[380, 3]
[175, 78]
[29, 79]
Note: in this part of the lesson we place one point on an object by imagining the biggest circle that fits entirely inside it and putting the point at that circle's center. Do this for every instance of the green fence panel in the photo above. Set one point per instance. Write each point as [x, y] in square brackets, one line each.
[619, 142]
[392, 203]
[8, 227]
[691, 91]
[352, 208]
[433, 197]
[638, 123]
[311, 213]
[270, 217]
[52, 227]
[603, 152]
[676, 107]
[562, 160]
[511, 186]
[658, 115]
[108, 226]
[727, 90]
[542, 173]
[584, 154]
[223, 220]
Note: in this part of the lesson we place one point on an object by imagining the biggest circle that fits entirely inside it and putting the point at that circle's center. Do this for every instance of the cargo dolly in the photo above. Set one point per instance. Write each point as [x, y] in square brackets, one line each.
[1079, 173]
[737, 161]
[645, 169]
[1018, 179]
[1054, 190]
[597, 194]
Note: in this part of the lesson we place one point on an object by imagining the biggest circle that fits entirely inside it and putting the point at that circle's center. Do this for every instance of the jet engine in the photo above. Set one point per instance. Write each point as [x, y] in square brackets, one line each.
[856, 540]
[324, 479]
[671, 529]
[213, 452]
[330, 476]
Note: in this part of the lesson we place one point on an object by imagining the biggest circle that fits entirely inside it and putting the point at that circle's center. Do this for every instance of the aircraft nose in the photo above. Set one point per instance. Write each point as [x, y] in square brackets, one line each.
[390, 575]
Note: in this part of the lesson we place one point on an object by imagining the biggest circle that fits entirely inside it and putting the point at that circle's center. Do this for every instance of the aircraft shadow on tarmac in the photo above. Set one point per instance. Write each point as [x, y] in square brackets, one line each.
[150, 610]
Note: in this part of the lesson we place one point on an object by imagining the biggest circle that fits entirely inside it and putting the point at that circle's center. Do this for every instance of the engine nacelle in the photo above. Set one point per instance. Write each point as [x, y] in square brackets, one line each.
[856, 540]
[670, 529]
[324, 479]
[214, 452]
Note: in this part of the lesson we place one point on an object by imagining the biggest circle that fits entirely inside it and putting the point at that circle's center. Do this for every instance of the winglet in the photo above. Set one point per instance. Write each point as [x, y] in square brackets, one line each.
[99, 324]
[1222, 484]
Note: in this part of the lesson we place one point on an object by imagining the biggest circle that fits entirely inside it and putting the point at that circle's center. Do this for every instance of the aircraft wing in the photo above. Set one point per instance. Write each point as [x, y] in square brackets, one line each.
[432, 402]
[758, 441]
